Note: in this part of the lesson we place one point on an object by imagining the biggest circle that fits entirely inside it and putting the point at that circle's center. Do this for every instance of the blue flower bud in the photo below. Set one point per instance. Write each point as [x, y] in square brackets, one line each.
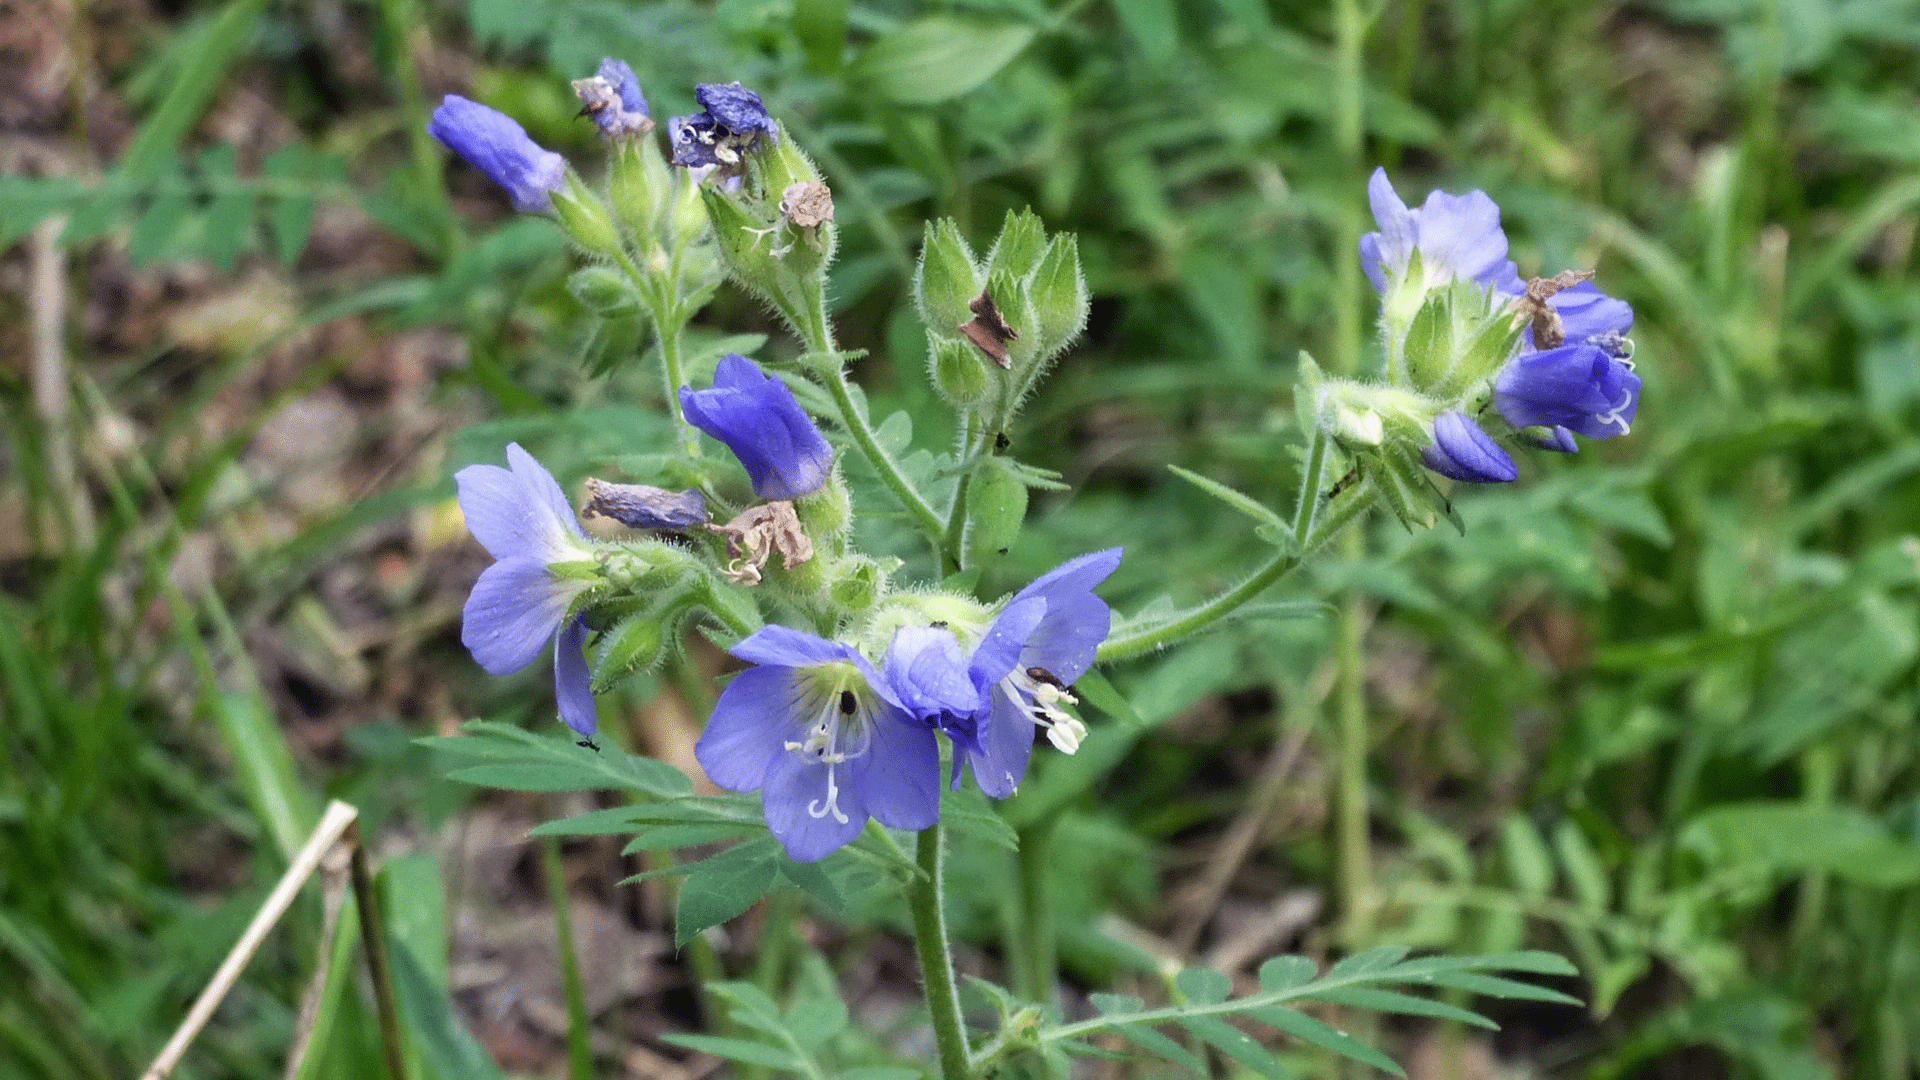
[1461, 451]
[497, 145]
[1580, 387]
[756, 416]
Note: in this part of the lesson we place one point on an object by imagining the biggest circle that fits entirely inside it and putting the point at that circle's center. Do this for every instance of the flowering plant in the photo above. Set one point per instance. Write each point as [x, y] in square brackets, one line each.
[855, 685]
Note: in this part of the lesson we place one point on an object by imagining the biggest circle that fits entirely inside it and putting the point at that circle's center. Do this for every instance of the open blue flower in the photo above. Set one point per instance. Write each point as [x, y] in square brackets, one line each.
[1017, 677]
[613, 98]
[497, 145]
[732, 120]
[756, 416]
[522, 518]
[809, 729]
[1458, 238]
[1461, 451]
[1582, 387]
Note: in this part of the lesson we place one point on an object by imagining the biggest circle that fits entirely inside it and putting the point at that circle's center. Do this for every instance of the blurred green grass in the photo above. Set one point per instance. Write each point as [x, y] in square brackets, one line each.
[1655, 708]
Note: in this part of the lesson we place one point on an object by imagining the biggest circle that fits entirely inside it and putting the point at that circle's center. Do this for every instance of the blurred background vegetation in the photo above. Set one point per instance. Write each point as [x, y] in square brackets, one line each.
[1656, 709]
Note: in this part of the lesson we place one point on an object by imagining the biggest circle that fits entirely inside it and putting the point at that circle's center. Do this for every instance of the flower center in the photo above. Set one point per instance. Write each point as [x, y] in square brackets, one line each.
[842, 730]
[1036, 692]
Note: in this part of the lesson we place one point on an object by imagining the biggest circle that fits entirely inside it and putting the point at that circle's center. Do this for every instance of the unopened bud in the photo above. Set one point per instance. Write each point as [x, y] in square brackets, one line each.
[586, 219]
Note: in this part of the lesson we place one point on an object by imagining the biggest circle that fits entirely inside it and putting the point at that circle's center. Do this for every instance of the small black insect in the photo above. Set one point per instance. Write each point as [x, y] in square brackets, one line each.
[1042, 675]
[848, 703]
[589, 744]
[1000, 440]
[1345, 482]
[938, 624]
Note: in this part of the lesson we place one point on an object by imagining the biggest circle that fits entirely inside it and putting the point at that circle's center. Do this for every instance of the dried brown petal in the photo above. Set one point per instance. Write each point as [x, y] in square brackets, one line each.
[807, 203]
[757, 533]
[988, 330]
[1547, 330]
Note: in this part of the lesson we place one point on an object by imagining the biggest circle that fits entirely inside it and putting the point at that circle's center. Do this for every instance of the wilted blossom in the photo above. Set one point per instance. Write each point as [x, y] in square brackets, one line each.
[519, 604]
[1457, 236]
[1017, 677]
[808, 728]
[732, 120]
[612, 97]
[1582, 388]
[497, 145]
[1461, 451]
[756, 416]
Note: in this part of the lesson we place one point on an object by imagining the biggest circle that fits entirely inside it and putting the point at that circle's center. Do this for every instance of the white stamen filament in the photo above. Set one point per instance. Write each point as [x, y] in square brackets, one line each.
[1064, 730]
[822, 746]
[814, 808]
[1614, 417]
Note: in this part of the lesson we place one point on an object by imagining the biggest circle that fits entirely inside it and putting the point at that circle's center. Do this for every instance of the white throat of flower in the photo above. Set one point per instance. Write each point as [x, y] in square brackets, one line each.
[842, 730]
[1035, 692]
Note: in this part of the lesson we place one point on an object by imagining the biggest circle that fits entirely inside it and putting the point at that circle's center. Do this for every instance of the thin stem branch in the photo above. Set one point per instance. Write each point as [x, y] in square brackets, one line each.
[373, 936]
[926, 896]
[854, 419]
[1124, 645]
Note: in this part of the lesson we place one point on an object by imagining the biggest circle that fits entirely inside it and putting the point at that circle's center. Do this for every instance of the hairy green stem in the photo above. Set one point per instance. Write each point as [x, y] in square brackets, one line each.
[667, 325]
[854, 419]
[926, 896]
[1349, 506]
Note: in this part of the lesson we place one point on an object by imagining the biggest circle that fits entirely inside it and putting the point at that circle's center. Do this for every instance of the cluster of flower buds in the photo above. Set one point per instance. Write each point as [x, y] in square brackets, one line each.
[1463, 332]
[832, 731]
[994, 325]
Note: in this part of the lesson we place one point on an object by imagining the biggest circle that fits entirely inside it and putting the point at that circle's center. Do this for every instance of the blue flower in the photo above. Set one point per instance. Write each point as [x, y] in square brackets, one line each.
[498, 146]
[756, 416]
[1018, 675]
[734, 118]
[612, 97]
[1581, 387]
[524, 521]
[1461, 451]
[809, 729]
[1457, 236]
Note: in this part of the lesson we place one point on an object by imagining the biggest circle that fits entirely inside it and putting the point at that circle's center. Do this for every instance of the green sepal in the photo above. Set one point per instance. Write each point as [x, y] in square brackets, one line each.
[635, 643]
[602, 289]
[947, 279]
[1428, 347]
[1402, 483]
[1059, 297]
[1020, 245]
[996, 508]
[641, 187]
[585, 219]
[961, 373]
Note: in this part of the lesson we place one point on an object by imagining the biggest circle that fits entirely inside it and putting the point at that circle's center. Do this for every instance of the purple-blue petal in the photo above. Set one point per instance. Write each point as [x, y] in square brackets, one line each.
[514, 610]
[519, 512]
[1006, 745]
[1393, 245]
[756, 416]
[1461, 451]
[758, 712]
[791, 786]
[928, 674]
[497, 145]
[1000, 648]
[785, 646]
[1076, 621]
[625, 83]
[572, 681]
[735, 108]
[1580, 387]
[899, 776]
